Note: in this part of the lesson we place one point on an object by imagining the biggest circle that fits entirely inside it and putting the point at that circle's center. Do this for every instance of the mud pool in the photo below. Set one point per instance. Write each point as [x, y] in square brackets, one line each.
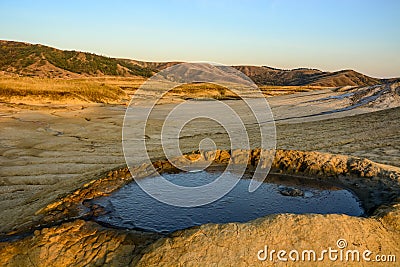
[131, 208]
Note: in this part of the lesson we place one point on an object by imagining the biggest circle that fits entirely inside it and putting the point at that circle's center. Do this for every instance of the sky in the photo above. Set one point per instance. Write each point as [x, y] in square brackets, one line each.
[330, 35]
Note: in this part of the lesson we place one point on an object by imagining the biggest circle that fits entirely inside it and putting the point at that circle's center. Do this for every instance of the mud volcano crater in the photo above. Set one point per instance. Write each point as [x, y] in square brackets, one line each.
[299, 183]
[130, 207]
[78, 222]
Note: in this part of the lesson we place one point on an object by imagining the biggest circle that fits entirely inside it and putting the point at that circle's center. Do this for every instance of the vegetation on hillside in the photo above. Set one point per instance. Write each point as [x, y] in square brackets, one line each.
[16, 57]
[303, 77]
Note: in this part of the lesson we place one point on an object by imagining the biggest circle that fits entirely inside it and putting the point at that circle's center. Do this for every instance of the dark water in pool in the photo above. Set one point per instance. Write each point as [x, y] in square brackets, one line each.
[130, 207]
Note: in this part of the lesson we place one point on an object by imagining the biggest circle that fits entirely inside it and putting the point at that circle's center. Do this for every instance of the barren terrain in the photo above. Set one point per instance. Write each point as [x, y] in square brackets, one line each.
[50, 150]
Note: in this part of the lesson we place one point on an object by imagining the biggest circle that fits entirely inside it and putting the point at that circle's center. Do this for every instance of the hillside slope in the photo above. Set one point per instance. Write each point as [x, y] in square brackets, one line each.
[303, 76]
[42, 61]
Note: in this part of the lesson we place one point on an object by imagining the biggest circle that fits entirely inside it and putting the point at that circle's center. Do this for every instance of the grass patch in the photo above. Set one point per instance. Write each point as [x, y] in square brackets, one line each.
[60, 90]
[202, 90]
[272, 90]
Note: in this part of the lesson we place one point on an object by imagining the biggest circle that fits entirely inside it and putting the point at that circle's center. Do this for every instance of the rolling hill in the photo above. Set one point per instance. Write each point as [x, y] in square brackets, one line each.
[43, 61]
[26, 59]
[302, 76]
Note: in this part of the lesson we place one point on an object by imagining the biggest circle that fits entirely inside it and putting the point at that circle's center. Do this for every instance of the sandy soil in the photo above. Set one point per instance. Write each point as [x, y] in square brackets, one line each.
[49, 151]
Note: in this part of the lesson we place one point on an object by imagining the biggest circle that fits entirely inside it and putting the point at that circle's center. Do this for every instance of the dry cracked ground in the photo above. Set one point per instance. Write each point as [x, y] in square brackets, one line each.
[48, 152]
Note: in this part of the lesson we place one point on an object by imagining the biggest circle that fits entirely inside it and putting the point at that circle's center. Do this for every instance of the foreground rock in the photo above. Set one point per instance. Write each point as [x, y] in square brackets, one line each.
[290, 192]
[235, 244]
[78, 243]
[239, 244]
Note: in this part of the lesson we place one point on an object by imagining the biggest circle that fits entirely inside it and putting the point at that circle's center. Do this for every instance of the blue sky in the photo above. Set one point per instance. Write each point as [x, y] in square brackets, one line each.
[326, 34]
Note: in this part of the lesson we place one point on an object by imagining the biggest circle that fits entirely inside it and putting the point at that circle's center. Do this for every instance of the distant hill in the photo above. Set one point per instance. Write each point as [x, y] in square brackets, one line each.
[43, 61]
[302, 76]
[38, 60]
